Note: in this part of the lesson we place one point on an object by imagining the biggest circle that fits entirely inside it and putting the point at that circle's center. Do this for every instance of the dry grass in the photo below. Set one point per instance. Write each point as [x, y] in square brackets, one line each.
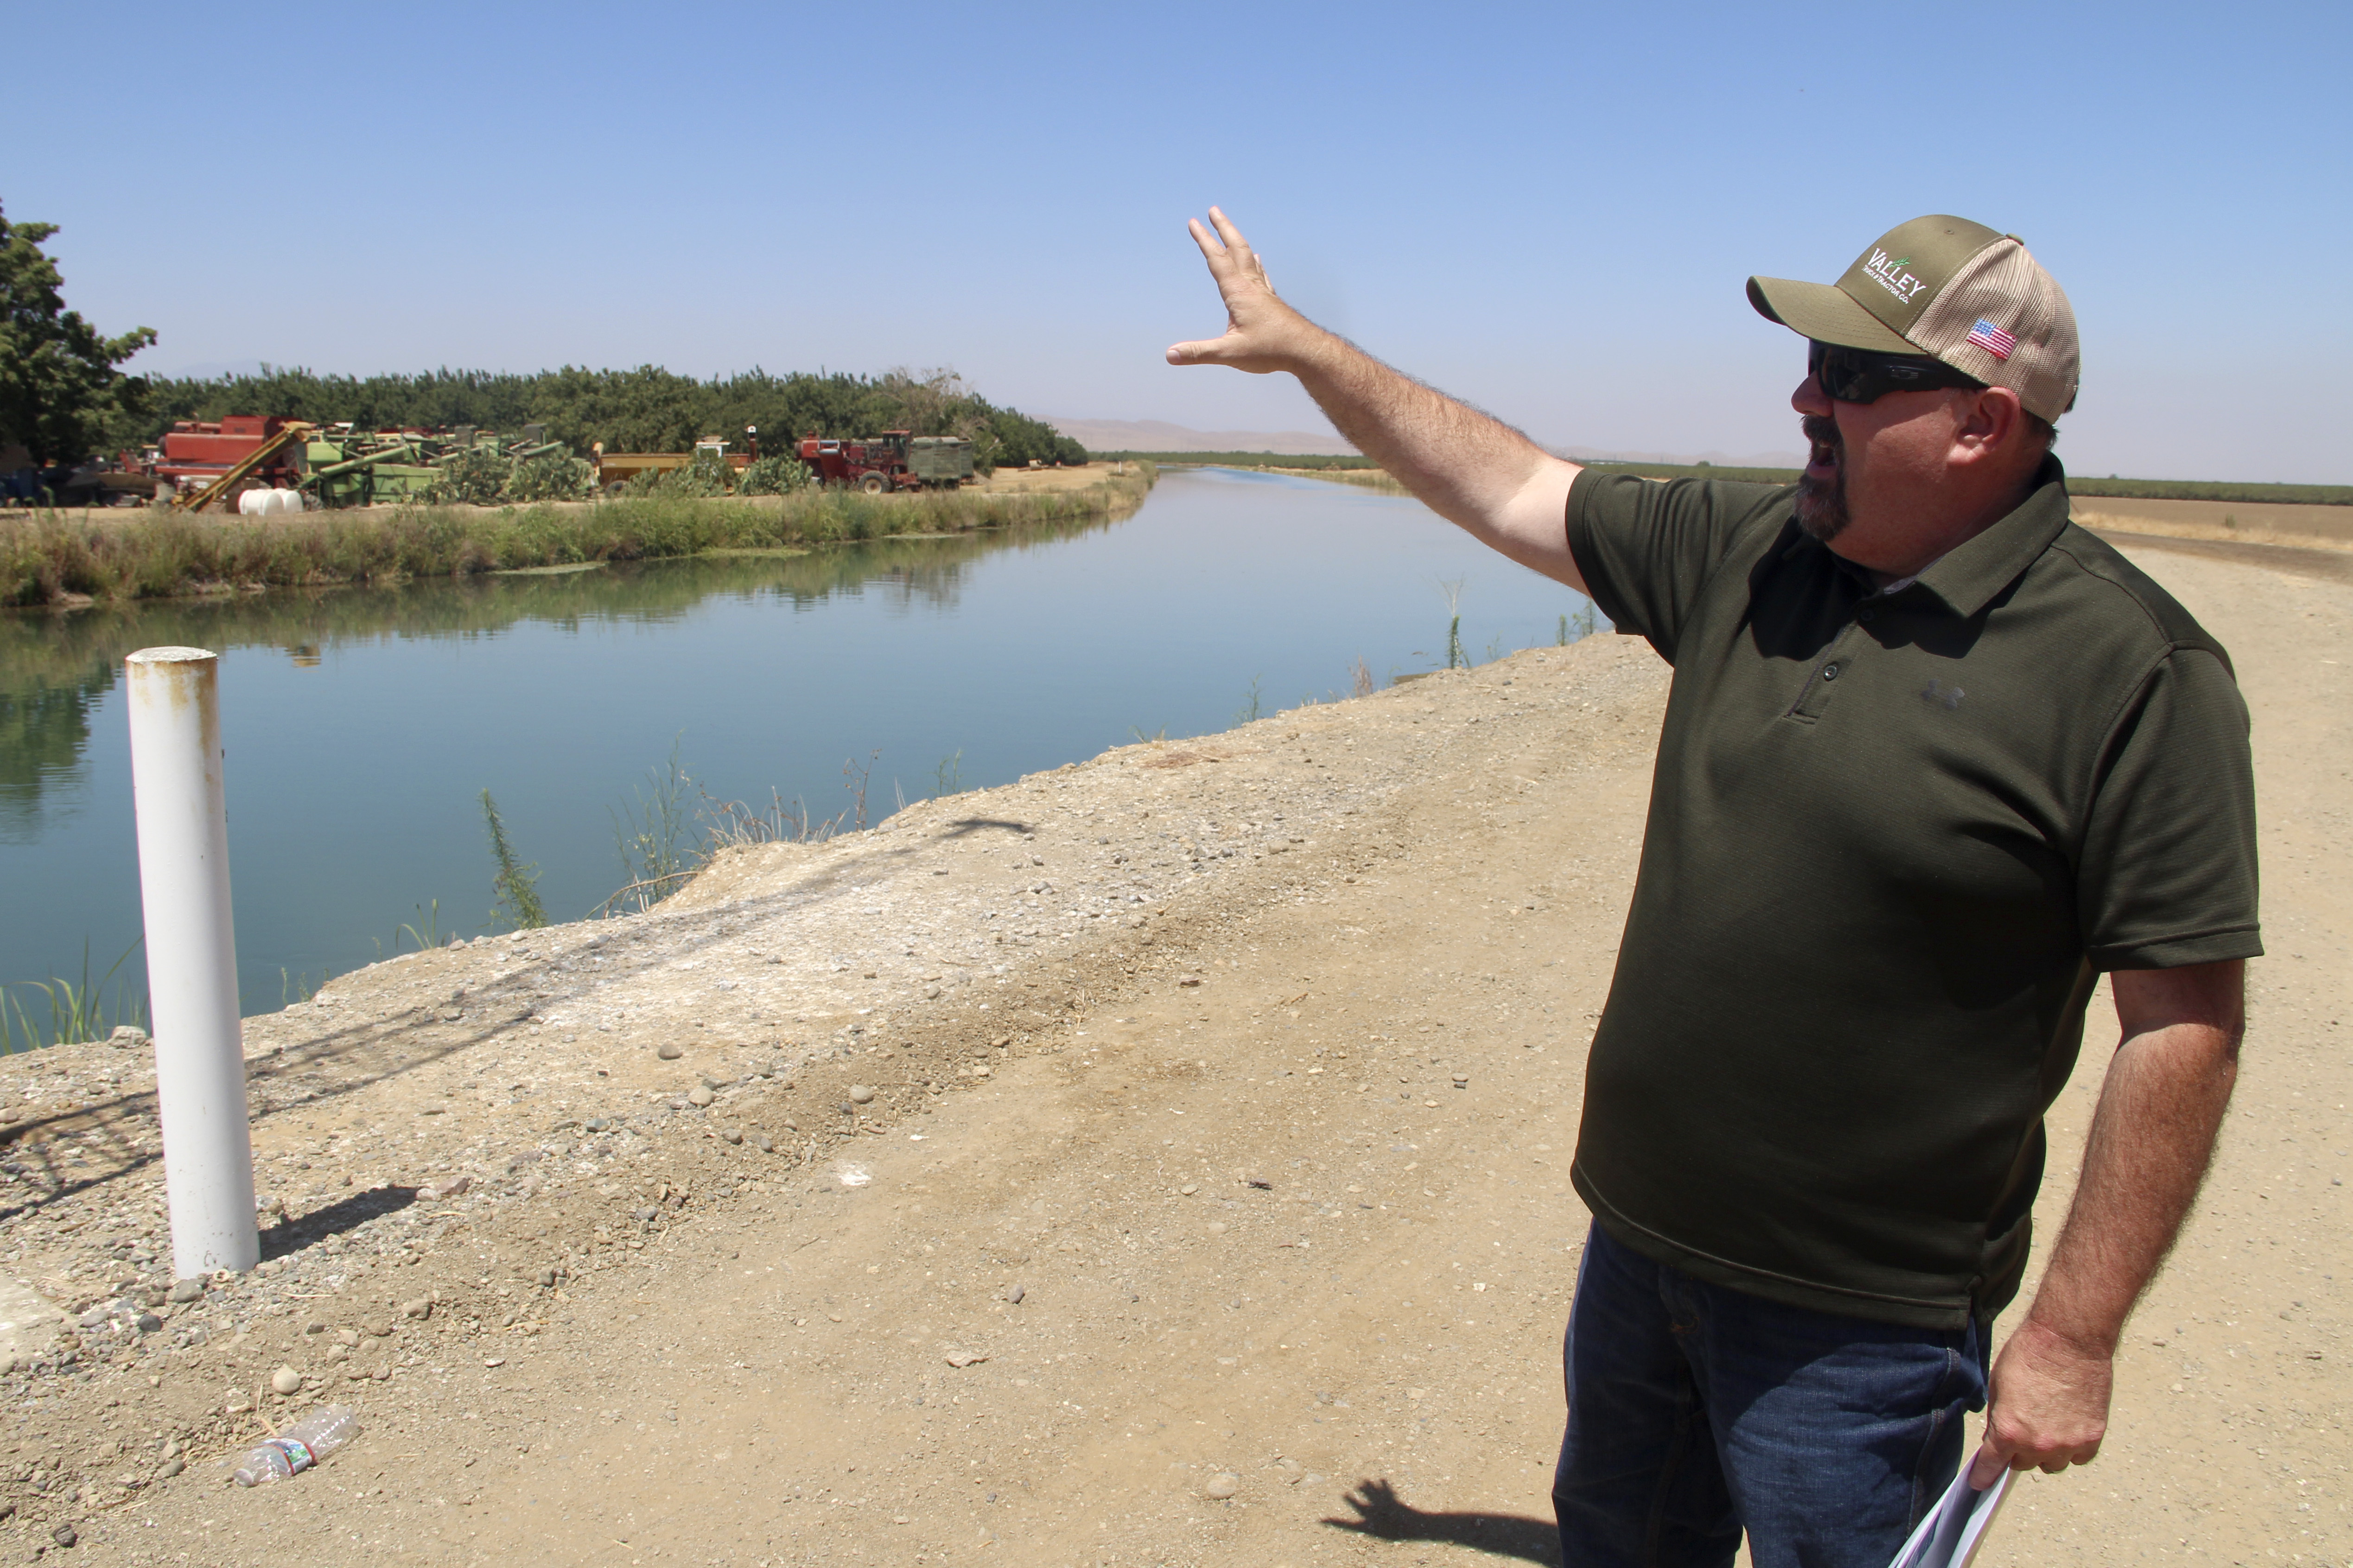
[1364, 479]
[62, 557]
[2308, 527]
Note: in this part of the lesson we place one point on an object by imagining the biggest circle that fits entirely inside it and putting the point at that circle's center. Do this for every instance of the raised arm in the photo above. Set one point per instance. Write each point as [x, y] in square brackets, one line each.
[1470, 468]
[2151, 1139]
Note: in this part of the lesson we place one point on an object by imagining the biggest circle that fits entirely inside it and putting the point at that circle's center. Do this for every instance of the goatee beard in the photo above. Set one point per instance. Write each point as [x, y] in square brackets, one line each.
[1821, 503]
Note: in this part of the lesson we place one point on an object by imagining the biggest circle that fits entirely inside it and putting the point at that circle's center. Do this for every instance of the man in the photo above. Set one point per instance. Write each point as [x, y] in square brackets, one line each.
[1933, 759]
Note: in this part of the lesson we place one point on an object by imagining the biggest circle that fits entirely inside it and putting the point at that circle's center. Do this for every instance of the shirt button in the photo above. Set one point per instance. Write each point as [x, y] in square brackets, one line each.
[1830, 673]
[1866, 613]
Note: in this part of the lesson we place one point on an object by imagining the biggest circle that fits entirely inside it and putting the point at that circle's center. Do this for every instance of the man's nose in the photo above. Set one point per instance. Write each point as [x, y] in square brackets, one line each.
[1809, 398]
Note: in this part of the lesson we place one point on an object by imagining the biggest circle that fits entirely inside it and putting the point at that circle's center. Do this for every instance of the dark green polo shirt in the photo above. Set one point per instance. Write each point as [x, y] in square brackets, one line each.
[1891, 838]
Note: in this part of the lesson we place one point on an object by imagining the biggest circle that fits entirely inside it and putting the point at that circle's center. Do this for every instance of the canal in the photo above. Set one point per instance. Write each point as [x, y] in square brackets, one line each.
[360, 726]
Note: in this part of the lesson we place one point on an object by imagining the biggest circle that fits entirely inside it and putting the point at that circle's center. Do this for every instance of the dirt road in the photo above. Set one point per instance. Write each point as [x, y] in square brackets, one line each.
[1164, 1163]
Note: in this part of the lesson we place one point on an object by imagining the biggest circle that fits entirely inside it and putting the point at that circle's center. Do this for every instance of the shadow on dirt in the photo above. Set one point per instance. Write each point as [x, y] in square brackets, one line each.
[290, 1236]
[965, 826]
[1387, 1517]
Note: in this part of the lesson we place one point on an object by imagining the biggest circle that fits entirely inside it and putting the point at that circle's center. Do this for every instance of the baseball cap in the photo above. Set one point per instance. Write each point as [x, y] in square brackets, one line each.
[1950, 289]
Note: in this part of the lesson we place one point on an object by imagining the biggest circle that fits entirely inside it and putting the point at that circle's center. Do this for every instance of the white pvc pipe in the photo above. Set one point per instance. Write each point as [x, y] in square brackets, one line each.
[175, 781]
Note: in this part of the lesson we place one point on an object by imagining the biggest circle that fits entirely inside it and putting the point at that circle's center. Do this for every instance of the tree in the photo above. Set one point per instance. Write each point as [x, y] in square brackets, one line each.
[60, 391]
[647, 409]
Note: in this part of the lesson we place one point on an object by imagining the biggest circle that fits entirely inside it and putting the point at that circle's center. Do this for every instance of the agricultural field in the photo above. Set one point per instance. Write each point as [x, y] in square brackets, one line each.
[2260, 522]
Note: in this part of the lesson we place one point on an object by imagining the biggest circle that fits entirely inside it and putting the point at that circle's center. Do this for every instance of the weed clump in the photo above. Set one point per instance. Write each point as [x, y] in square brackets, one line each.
[76, 1013]
[475, 476]
[515, 883]
[774, 476]
[551, 476]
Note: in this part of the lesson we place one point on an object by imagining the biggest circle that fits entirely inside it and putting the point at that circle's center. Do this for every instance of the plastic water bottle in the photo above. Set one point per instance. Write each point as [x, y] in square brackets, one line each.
[298, 1447]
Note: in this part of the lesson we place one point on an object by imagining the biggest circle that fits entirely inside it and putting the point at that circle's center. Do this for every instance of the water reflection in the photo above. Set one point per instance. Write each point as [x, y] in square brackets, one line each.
[55, 666]
[44, 732]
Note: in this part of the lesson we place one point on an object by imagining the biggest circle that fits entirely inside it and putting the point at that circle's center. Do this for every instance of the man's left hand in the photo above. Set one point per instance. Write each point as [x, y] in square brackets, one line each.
[2049, 1405]
[1262, 334]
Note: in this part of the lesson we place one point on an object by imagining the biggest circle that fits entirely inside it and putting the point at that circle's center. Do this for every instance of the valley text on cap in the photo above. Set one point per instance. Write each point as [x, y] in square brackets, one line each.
[1952, 289]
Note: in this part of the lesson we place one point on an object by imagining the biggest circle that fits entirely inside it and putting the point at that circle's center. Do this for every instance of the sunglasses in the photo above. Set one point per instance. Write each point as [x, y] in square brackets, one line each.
[1859, 375]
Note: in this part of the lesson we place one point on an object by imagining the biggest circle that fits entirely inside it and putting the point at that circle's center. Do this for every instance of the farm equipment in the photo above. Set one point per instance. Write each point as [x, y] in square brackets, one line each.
[339, 465]
[353, 469]
[347, 466]
[217, 458]
[894, 460]
[264, 464]
[614, 469]
[122, 481]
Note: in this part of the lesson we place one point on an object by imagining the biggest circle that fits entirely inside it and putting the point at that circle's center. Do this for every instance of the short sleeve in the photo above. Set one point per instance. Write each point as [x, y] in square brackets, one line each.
[2167, 874]
[1645, 549]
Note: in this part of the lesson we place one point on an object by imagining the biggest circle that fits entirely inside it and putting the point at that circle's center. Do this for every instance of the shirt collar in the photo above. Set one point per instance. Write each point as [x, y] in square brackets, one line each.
[1968, 576]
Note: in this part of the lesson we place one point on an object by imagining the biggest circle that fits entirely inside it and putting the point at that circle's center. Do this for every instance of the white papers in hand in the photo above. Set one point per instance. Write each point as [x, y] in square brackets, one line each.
[1949, 1536]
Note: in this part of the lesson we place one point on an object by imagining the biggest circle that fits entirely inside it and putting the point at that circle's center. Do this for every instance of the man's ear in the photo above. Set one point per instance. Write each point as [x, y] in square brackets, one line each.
[1992, 425]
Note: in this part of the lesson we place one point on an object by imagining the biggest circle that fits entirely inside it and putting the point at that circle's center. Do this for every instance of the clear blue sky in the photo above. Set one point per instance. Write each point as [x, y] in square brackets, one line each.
[1548, 209]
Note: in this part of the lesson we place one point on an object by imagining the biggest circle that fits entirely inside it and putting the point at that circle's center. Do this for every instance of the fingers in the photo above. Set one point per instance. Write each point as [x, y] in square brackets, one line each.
[1212, 251]
[1202, 351]
[1995, 1455]
[1228, 350]
[2081, 1453]
[1242, 280]
[1251, 263]
[1987, 1466]
[1226, 251]
[1228, 232]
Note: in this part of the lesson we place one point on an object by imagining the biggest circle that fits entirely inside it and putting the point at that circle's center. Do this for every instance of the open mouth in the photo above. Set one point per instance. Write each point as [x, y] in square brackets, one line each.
[1821, 489]
[1823, 453]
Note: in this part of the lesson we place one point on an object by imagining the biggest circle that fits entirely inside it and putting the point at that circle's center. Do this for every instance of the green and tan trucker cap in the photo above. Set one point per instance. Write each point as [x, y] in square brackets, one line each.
[1951, 289]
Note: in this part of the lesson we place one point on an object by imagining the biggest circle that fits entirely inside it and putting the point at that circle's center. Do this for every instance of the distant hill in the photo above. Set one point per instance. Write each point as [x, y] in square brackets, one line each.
[1159, 435]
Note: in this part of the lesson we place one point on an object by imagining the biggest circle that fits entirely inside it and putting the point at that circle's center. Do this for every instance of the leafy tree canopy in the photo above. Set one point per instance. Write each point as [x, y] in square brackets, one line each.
[643, 410]
[60, 394]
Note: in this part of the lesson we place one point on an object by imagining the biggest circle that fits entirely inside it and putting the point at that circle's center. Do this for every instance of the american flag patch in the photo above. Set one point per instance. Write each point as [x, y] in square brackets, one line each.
[1992, 339]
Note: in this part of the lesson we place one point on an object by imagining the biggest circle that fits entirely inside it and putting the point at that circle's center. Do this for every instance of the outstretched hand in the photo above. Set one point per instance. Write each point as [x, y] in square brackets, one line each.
[1467, 467]
[1262, 334]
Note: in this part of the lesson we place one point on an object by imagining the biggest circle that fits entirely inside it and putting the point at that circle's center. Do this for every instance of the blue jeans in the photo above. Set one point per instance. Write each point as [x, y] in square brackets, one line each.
[1695, 1412]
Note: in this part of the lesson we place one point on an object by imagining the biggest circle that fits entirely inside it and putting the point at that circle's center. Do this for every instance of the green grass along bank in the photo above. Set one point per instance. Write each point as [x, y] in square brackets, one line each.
[64, 558]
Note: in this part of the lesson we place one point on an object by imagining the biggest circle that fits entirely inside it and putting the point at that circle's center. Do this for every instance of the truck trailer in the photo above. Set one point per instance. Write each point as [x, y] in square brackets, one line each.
[894, 460]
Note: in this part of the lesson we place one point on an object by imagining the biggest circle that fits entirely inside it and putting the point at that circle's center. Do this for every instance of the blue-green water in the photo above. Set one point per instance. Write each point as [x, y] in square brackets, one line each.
[360, 726]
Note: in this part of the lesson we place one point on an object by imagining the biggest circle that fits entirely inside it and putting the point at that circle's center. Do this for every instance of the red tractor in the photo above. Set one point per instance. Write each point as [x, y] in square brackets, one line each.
[242, 449]
[894, 460]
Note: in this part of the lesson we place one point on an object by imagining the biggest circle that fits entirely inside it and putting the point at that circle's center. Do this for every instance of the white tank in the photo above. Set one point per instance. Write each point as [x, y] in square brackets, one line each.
[253, 503]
